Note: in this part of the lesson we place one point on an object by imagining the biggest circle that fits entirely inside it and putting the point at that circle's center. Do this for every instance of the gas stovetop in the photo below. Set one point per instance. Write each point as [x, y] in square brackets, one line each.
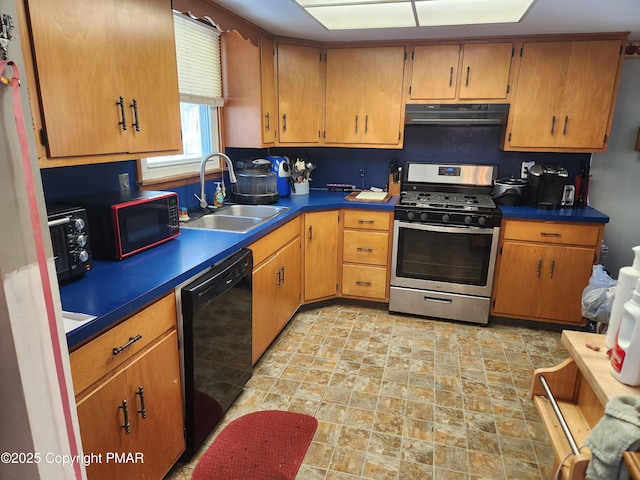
[447, 201]
[448, 194]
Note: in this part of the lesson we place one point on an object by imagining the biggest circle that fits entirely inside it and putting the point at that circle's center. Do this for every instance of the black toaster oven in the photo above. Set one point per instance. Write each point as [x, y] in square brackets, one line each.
[69, 232]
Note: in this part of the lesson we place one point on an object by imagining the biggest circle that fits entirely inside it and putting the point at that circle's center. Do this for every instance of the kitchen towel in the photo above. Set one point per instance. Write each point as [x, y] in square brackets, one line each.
[266, 445]
[618, 430]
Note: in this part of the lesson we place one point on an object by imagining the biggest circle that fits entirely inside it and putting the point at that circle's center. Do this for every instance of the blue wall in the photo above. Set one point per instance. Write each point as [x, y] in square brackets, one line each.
[429, 144]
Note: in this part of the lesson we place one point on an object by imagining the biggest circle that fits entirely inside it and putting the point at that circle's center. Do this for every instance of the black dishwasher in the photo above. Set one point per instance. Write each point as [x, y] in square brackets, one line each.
[216, 324]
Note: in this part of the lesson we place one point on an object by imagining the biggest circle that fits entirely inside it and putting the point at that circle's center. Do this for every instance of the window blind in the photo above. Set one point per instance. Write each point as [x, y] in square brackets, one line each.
[198, 59]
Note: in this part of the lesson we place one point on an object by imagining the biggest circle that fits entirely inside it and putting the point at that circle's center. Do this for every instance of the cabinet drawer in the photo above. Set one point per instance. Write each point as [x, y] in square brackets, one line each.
[364, 281]
[365, 247]
[367, 219]
[94, 360]
[269, 244]
[551, 232]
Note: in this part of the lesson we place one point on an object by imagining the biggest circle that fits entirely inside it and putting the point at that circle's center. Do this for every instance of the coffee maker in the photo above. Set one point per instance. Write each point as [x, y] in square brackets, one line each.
[546, 186]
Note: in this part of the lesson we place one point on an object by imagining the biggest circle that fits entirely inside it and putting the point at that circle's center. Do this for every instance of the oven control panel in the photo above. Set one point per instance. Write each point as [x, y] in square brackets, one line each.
[457, 218]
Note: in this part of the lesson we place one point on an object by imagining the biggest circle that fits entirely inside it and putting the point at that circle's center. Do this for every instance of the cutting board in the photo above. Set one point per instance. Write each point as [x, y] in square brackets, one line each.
[367, 196]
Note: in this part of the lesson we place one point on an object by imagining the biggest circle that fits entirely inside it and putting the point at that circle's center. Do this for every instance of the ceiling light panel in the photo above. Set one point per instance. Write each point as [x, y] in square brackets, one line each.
[322, 3]
[370, 15]
[470, 12]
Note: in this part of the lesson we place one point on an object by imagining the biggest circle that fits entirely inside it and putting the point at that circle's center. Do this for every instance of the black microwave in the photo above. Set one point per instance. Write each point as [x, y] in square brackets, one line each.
[126, 222]
[69, 231]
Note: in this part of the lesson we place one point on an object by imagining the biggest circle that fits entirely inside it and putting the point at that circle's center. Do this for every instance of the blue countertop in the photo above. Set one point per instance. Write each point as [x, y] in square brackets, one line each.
[112, 291]
[584, 214]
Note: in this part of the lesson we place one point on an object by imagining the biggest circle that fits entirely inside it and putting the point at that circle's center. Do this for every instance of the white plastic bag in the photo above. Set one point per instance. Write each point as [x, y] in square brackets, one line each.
[597, 297]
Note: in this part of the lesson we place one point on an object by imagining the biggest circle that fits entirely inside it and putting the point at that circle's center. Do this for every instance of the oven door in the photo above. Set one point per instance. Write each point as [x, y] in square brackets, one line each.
[453, 259]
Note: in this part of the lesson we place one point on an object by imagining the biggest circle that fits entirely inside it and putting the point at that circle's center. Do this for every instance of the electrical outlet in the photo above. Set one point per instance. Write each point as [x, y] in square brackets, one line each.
[123, 178]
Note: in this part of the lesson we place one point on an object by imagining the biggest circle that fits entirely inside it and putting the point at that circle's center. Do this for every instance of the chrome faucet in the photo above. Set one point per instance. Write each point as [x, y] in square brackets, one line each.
[232, 176]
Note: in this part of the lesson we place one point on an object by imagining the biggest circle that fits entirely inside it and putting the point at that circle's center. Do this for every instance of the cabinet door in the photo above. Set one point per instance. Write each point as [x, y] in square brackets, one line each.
[149, 75]
[519, 286]
[321, 230]
[588, 93]
[299, 94]
[382, 100]
[485, 70]
[344, 118]
[101, 423]
[565, 273]
[289, 292]
[267, 75]
[76, 47]
[535, 110]
[155, 391]
[435, 72]
[265, 286]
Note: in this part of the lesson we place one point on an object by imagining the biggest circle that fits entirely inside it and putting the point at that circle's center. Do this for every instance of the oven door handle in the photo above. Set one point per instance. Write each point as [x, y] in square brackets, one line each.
[430, 227]
[437, 300]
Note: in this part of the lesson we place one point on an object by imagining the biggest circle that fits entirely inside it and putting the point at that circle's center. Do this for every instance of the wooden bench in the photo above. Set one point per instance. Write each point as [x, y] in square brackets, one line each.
[580, 386]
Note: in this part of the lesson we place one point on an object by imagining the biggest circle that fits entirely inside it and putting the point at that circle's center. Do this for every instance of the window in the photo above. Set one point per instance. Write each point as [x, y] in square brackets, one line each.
[200, 84]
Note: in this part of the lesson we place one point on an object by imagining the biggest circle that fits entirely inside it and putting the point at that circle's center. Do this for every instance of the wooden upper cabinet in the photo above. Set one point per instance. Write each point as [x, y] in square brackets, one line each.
[364, 96]
[472, 71]
[250, 114]
[485, 71]
[564, 97]
[100, 68]
[300, 87]
[435, 72]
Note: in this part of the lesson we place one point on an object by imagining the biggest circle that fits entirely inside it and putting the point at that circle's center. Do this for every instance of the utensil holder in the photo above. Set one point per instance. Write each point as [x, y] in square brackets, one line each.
[301, 189]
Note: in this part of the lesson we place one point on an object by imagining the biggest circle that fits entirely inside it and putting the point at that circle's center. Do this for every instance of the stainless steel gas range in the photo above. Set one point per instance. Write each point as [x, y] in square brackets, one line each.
[446, 229]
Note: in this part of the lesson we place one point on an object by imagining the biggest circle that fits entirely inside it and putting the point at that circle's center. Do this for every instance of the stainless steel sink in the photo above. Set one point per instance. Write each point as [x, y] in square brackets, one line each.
[259, 211]
[236, 218]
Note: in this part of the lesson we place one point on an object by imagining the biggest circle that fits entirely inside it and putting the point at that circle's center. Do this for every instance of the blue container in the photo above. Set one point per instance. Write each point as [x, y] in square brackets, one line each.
[282, 169]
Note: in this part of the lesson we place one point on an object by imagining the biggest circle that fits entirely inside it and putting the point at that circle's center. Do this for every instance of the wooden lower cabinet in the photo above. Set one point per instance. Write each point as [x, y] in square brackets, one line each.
[366, 254]
[132, 419]
[542, 269]
[276, 295]
[321, 254]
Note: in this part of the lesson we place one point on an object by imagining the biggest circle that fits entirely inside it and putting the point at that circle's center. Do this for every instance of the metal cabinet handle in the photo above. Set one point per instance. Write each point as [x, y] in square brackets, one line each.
[131, 341]
[366, 123]
[123, 122]
[539, 267]
[438, 300]
[136, 123]
[553, 261]
[553, 124]
[356, 123]
[282, 268]
[364, 249]
[551, 234]
[143, 410]
[310, 232]
[267, 122]
[284, 122]
[366, 221]
[566, 121]
[466, 84]
[125, 408]
[366, 284]
[451, 76]
[279, 275]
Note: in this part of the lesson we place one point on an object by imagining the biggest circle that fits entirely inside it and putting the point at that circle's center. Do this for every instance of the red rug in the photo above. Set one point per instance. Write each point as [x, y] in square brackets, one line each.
[267, 445]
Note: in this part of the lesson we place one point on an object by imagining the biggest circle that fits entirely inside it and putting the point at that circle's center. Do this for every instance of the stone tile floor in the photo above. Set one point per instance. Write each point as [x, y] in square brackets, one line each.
[402, 398]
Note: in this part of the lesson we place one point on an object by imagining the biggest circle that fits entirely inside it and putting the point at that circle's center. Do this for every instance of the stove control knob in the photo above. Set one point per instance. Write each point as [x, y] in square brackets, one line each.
[445, 217]
[410, 215]
[424, 216]
[482, 220]
[78, 224]
[468, 219]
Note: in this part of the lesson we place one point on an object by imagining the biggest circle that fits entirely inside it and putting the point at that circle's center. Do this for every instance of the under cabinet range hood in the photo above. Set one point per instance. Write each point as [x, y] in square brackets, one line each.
[456, 114]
